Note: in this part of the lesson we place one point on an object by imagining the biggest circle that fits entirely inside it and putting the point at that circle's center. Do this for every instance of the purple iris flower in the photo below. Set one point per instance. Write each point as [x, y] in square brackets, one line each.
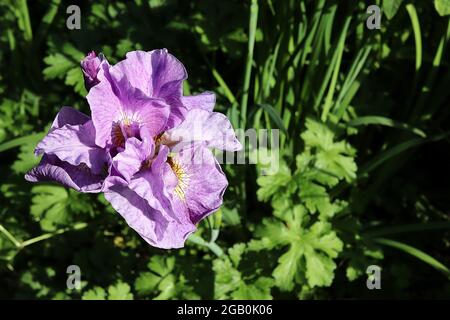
[146, 147]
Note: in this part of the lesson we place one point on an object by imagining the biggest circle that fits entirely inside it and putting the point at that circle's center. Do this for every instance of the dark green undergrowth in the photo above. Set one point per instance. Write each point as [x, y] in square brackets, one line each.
[364, 152]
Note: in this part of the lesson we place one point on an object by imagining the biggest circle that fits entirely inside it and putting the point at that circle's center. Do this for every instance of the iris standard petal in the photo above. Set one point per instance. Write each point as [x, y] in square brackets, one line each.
[157, 74]
[105, 109]
[119, 110]
[154, 72]
[168, 73]
[69, 115]
[211, 128]
[205, 101]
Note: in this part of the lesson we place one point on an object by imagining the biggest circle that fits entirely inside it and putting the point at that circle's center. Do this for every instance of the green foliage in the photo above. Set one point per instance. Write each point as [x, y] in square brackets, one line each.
[390, 7]
[334, 158]
[66, 66]
[312, 248]
[360, 177]
[442, 7]
[162, 281]
[49, 206]
[269, 185]
[311, 241]
[96, 293]
[230, 283]
[119, 291]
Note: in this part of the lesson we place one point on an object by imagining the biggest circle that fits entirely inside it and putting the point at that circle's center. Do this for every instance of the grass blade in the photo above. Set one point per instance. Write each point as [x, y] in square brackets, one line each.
[24, 19]
[273, 114]
[228, 94]
[248, 67]
[47, 20]
[415, 253]
[21, 141]
[417, 33]
[383, 121]
[337, 66]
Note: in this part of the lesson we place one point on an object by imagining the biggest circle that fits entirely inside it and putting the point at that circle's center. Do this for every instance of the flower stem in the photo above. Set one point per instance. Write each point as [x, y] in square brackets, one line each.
[210, 245]
[45, 236]
[9, 236]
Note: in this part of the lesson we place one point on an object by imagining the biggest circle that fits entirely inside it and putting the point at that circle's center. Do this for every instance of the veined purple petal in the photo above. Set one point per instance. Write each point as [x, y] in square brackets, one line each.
[75, 145]
[156, 186]
[115, 103]
[135, 155]
[79, 177]
[201, 182]
[146, 205]
[157, 74]
[137, 68]
[205, 100]
[212, 128]
[168, 73]
[148, 222]
[136, 211]
[177, 111]
[151, 185]
[147, 112]
[154, 225]
[69, 115]
[113, 179]
[105, 109]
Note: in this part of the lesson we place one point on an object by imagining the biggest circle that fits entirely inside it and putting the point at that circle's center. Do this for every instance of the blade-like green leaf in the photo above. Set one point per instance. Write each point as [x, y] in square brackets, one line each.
[274, 115]
[384, 121]
[21, 141]
[415, 253]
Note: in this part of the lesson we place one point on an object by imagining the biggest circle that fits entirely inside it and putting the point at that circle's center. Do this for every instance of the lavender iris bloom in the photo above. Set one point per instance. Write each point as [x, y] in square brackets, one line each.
[146, 147]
